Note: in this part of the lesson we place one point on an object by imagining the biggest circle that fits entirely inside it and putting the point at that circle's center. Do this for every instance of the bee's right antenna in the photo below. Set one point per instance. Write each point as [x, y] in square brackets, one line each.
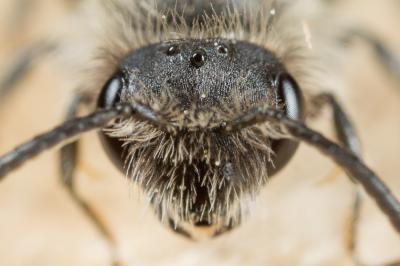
[351, 163]
[72, 129]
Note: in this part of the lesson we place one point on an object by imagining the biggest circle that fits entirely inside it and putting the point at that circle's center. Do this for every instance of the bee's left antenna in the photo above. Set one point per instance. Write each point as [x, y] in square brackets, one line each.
[350, 162]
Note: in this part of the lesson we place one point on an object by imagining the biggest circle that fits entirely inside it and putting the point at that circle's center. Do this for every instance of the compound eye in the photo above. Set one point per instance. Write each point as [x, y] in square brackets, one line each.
[111, 92]
[289, 95]
[109, 97]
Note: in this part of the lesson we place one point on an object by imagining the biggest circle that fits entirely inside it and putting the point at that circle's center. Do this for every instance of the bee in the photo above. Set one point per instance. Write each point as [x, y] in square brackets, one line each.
[200, 104]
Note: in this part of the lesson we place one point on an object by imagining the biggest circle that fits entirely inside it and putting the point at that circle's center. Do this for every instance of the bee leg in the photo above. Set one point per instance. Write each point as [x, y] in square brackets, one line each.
[388, 58]
[67, 164]
[344, 128]
[347, 136]
[21, 66]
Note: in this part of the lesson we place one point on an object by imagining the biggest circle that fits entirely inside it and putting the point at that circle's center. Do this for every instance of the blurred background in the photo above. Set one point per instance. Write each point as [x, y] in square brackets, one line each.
[300, 218]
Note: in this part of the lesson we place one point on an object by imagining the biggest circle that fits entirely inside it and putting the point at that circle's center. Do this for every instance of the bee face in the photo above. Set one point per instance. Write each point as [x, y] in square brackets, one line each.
[197, 177]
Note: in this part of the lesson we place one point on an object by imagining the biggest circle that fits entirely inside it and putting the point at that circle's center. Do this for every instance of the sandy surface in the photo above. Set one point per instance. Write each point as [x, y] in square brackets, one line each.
[299, 219]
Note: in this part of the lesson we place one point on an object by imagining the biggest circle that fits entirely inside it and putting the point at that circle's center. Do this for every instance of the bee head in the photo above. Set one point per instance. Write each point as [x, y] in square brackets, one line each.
[195, 176]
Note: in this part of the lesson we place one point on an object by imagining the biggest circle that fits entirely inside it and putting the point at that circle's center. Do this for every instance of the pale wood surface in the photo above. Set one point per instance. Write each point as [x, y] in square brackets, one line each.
[298, 221]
